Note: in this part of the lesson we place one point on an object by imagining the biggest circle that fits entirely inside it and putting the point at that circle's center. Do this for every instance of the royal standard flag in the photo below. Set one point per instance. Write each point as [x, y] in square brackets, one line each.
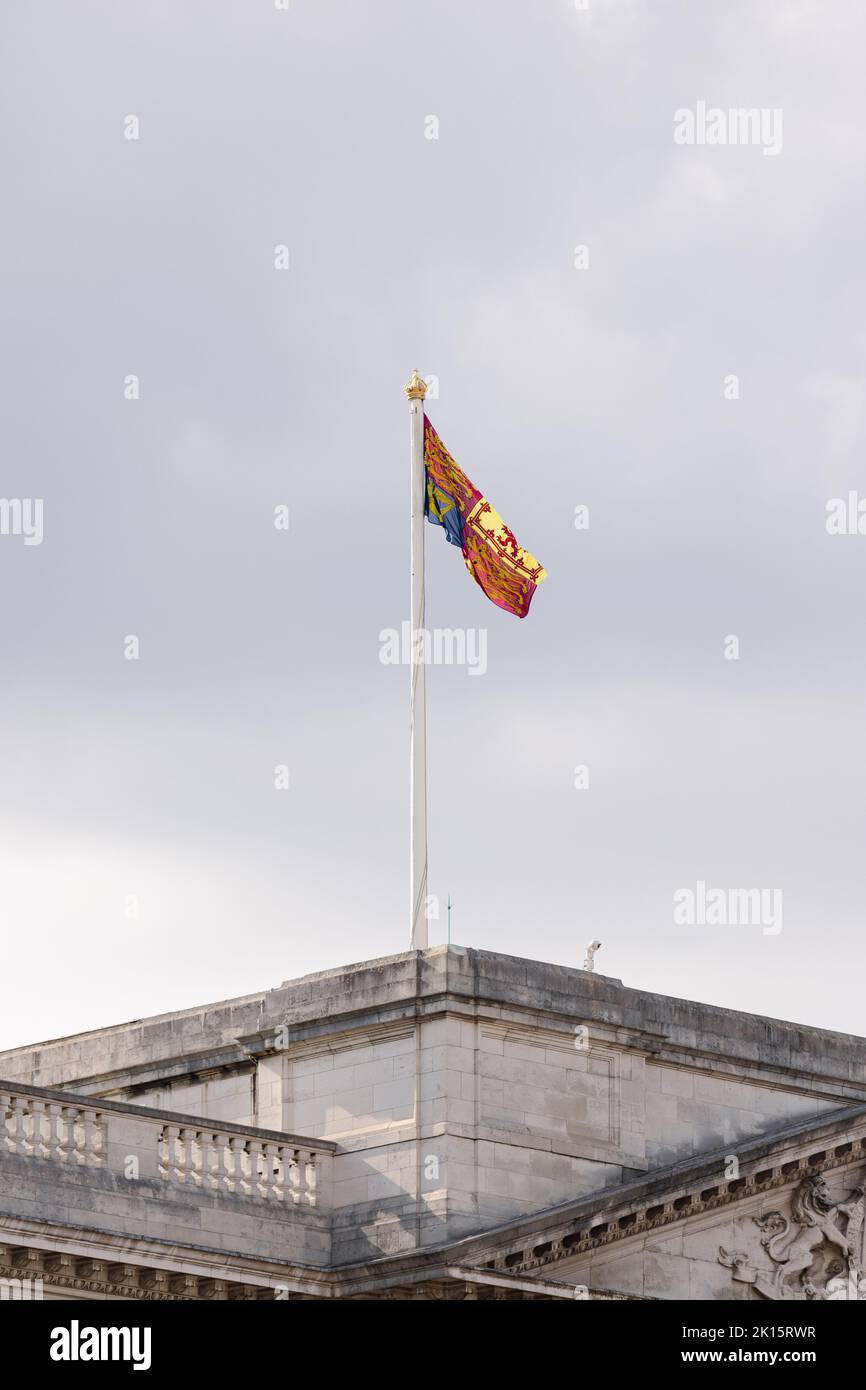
[506, 572]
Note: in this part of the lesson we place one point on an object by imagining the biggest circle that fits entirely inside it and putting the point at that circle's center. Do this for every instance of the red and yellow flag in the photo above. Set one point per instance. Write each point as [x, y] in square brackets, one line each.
[506, 572]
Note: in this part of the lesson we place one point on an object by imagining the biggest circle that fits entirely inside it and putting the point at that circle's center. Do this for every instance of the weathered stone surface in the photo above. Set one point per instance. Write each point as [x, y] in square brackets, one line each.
[460, 1090]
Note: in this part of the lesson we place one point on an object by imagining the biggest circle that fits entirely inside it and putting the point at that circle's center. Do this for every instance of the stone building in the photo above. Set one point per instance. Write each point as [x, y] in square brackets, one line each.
[447, 1123]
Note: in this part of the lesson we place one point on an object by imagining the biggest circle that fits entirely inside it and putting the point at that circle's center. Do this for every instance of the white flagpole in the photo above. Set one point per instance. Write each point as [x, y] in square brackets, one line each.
[416, 390]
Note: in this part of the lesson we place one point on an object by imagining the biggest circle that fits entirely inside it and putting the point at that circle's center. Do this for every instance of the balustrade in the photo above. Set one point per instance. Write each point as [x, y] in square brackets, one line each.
[195, 1154]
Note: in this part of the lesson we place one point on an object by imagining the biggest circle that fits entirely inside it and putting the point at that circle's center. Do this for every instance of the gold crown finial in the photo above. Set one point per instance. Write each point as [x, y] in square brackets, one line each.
[416, 387]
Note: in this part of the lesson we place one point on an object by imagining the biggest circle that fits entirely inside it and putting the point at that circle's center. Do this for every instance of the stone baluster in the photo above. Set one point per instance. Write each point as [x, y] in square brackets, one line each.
[98, 1140]
[270, 1170]
[280, 1162]
[19, 1130]
[229, 1164]
[199, 1157]
[38, 1147]
[172, 1134]
[203, 1150]
[219, 1165]
[181, 1154]
[87, 1118]
[66, 1143]
[249, 1171]
[92, 1150]
[243, 1176]
[79, 1136]
[5, 1114]
[163, 1154]
[25, 1110]
[294, 1175]
[55, 1140]
[187, 1139]
[259, 1176]
[312, 1179]
[301, 1160]
[20, 1109]
[235, 1178]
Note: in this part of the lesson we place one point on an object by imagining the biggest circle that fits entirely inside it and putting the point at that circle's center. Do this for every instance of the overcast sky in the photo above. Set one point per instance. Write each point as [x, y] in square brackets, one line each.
[148, 785]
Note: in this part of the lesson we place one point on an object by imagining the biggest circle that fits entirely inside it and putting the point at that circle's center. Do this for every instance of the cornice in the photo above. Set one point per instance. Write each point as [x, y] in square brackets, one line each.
[568, 1239]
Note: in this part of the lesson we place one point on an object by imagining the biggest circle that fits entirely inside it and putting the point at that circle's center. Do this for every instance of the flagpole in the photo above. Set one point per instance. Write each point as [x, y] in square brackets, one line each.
[416, 390]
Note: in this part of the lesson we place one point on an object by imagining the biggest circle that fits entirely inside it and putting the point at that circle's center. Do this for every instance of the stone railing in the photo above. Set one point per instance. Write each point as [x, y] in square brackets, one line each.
[66, 1130]
[227, 1160]
[82, 1132]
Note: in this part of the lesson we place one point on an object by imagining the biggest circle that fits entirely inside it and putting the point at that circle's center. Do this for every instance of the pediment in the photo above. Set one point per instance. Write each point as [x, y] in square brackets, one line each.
[783, 1220]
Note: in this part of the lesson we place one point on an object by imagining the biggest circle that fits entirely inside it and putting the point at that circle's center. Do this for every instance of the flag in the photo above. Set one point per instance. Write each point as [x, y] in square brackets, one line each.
[506, 572]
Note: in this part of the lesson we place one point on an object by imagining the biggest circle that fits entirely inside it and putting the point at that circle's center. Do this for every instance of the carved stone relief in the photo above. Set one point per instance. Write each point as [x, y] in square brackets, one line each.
[816, 1254]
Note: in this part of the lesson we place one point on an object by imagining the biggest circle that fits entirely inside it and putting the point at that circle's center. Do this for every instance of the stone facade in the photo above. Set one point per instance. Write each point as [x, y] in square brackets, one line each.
[364, 1132]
